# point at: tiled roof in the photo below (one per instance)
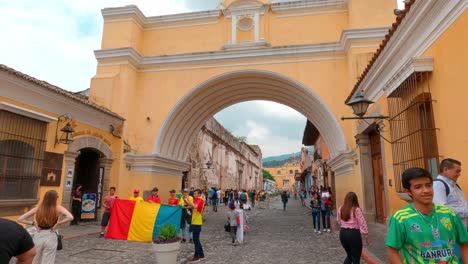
(58, 90)
(382, 46)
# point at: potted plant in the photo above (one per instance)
(166, 245)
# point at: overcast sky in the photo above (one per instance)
(54, 40)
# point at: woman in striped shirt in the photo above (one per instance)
(353, 224)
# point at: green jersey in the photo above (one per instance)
(424, 238)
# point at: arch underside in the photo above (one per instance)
(195, 108)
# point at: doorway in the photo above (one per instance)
(87, 172)
(377, 173)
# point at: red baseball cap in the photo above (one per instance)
(136, 191)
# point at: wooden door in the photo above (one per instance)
(377, 171)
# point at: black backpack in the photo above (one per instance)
(447, 188)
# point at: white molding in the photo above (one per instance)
(344, 163)
(34, 95)
(313, 13)
(246, 44)
(156, 164)
(308, 5)
(245, 8)
(422, 25)
(348, 39)
(411, 66)
(132, 11)
(26, 112)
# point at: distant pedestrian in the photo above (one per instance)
(154, 197)
(172, 201)
(325, 212)
(15, 241)
(284, 199)
(315, 206)
(424, 232)
(197, 221)
(107, 204)
(214, 199)
(252, 198)
(77, 195)
(46, 220)
(234, 221)
(353, 224)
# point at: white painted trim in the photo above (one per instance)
(26, 112)
(420, 28)
(234, 30)
(348, 38)
(313, 13)
(39, 97)
(344, 163)
(156, 164)
(307, 5)
(411, 66)
(135, 13)
(247, 44)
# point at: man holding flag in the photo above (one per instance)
(196, 225)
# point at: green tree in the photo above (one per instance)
(267, 175)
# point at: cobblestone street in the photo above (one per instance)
(273, 236)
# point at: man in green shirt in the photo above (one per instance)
(423, 232)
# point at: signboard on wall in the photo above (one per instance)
(52, 169)
(88, 206)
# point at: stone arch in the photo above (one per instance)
(90, 142)
(215, 94)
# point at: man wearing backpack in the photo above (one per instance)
(446, 190)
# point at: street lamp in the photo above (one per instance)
(359, 104)
(67, 130)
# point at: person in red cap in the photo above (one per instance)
(136, 196)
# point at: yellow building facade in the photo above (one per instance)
(168, 74)
(285, 175)
(417, 79)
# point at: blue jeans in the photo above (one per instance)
(185, 226)
(316, 219)
(326, 218)
(196, 229)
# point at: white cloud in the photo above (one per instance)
(278, 110)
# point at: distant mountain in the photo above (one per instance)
(278, 161)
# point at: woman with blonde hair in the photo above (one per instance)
(353, 224)
(46, 220)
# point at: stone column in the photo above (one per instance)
(70, 159)
(257, 26)
(367, 176)
(234, 30)
(105, 163)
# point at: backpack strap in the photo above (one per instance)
(447, 188)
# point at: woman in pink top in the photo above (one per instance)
(353, 224)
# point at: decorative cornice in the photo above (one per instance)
(348, 38)
(156, 164)
(411, 66)
(424, 23)
(26, 112)
(343, 163)
(132, 11)
(247, 44)
(245, 8)
(308, 5)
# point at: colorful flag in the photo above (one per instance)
(141, 221)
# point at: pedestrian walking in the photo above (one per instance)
(284, 199)
(234, 221)
(325, 206)
(46, 220)
(252, 198)
(107, 204)
(16, 242)
(197, 221)
(240, 224)
(315, 206)
(353, 224)
(77, 195)
(186, 218)
(214, 199)
(424, 232)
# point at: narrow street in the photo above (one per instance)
(274, 236)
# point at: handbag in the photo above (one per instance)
(59, 242)
(227, 226)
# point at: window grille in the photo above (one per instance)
(22, 146)
(413, 130)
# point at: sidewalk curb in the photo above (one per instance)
(82, 235)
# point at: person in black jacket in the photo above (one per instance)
(284, 199)
(15, 241)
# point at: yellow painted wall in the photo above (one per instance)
(284, 174)
(146, 182)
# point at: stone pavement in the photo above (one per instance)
(274, 236)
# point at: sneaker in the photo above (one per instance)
(194, 259)
(101, 235)
(201, 258)
(315, 230)
(190, 241)
(184, 240)
(328, 231)
(319, 232)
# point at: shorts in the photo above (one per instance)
(105, 218)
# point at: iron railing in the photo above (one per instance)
(413, 130)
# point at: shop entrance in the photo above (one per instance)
(87, 171)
